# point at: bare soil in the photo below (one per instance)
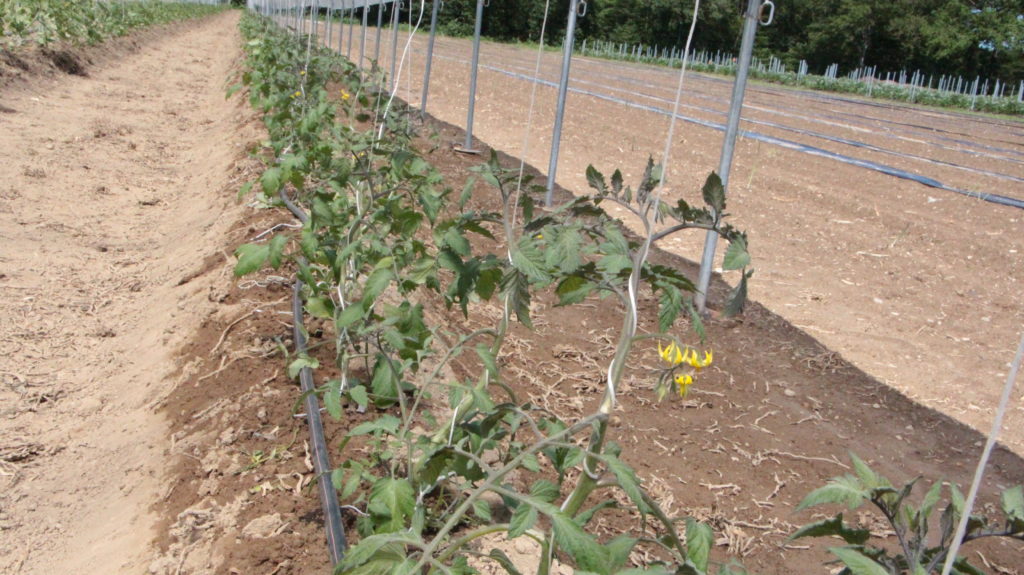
(144, 397)
(112, 208)
(917, 286)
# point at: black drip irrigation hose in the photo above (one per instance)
(321, 465)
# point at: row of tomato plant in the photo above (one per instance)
(385, 232)
(46, 21)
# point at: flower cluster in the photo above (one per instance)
(676, 356)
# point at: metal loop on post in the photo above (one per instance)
(581, 8)
(487, 3)
(771, 13)
(440, 7)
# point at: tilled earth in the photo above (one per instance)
(143, 390)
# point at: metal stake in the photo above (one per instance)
(380, 23)
(362, 39)
(752, 17)
(430, 56)
(330, 29)
(472, 76)
(394, 44)
(563, 87)
(351, 14)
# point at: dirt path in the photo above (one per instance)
(111, 199)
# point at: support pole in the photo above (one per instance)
(362, 39)
(472, 74)
(563, 87)
(380, 23)
(330, 28)
(351, 28)
(397, 5)
(430, 56)
(751, 21)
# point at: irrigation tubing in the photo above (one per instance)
(795, 146)
(789, 112)
(929, 132)
(321, 464)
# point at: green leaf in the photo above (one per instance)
(696, 320)
(384, 384)
(516, 286)
(332, 398)
(503, 560)
(359, 395)
(350, 315)
(585, 517)
(522, 519)
(320, 307)
(565, 252)
(573, 289)
(250, 258)
(714, 193)
(276, 249)
(270, 181)
(467, 192)
(618, 552)
(736, 256)
(1013, 505)
(858, 563)
(628, 482)
(530, 463)
(867, 476)
(544, 490)
(488, 359)
(699, 539)
(596, 180)
(833, 526)
(482, 509)
(387, 423)
(670, 303)
(738, 297)
(580, 545)
(528, 259)
(846, 490)
(454, 239)
(375, 285)
(301, 362)
(391, 500)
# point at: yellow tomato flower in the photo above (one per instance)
(694, 361)
(345, 95)
(684, 382)
(302, 72)
(672, 354)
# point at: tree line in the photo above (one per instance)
(958, 37)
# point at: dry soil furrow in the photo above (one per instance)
(112, 194)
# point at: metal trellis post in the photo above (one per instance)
(563, 87)
(472, 75)
(397, 5)
(351, 28)
(380, 23)
(751, 21)
(430, 55)
(362, 39)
